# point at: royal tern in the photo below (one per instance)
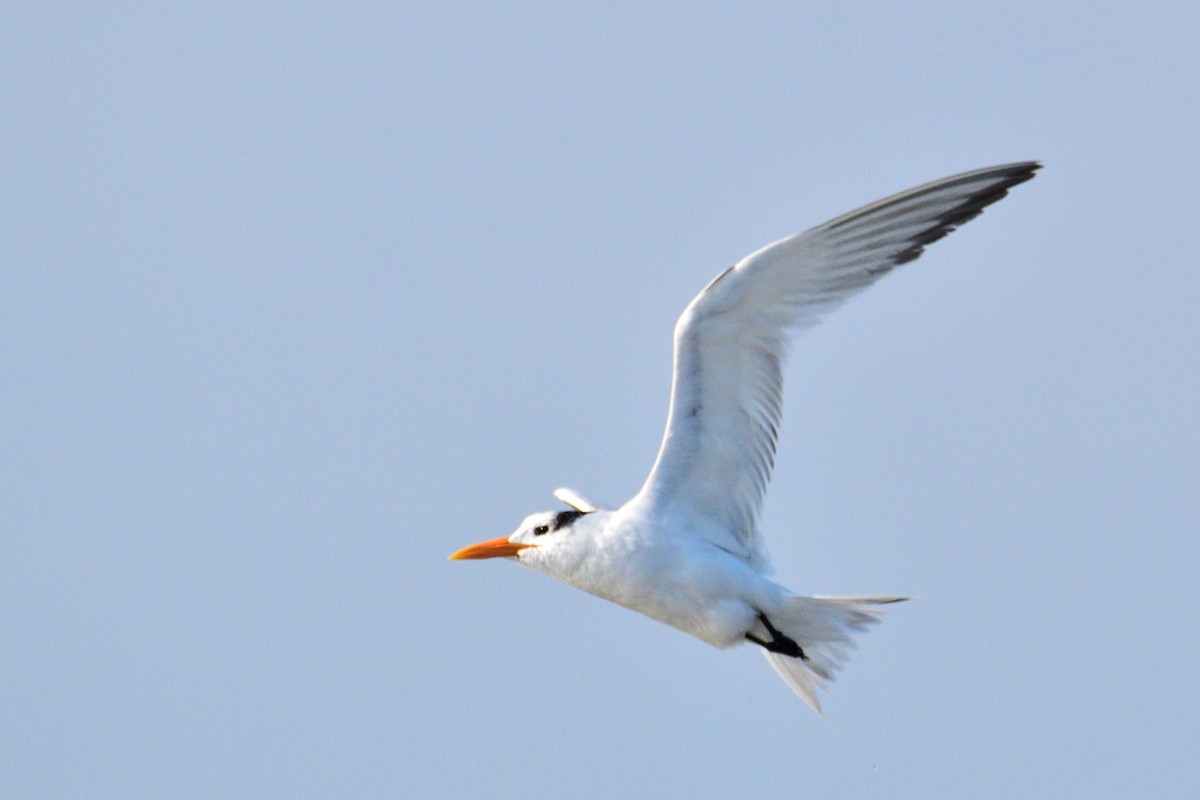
(686, 549)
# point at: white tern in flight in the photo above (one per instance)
(686, 549)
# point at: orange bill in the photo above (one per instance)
(492, 548)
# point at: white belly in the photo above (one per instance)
(682, 582)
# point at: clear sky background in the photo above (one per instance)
(296, 301)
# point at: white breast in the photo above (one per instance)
(668, 573)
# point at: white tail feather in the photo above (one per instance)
(823, 627)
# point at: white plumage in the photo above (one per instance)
(686, 549)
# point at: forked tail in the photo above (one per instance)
(823, 628)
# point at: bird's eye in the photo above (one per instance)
(541, 529)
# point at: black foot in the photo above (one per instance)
(779, 643)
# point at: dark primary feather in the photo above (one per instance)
(1010, 175)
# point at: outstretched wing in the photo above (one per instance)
(719, 447)
(576, 500)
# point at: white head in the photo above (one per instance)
(549, 541)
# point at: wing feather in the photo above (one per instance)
(730, 343)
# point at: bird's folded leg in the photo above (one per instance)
(779, 643)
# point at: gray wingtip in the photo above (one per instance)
(1008, 175)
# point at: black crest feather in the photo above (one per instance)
(565, 518)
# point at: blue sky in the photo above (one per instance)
(296, 301)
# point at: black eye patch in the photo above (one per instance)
(565, 518)
(560, 520)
